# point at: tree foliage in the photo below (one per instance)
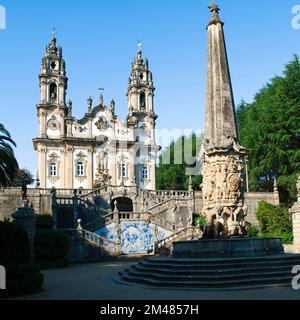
(22, 177)
(172, 173)
(274, 221)
(8, 162)
(270, 128)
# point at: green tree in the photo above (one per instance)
(270, 128)
(22, 177)
(8, 162)
(174, 162)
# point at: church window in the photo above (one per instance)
(144, 173)
(80, 169)
(142, 101)
(53, 169)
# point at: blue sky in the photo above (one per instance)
(99, 40)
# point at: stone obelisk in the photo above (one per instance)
(223, 196)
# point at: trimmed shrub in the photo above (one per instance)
(51, 248)
(44, 221)
(24, 279)
(14, 244)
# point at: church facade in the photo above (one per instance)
(98, 149)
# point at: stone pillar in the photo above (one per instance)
(276, 193)
(118, 239)
(26, 217)
(75, 209)
(54, 207)
(155, 239)
(295, 210)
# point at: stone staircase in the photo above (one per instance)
(212, 274)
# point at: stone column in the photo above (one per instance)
(118, 239)
(295, 210)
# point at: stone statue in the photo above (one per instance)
(24, 192)
(116, 210)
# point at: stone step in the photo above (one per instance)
(229, 273)
(222, 260)
(195, 277)
(170, 271)
(209, 284)
(227, 265)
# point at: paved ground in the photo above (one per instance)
(95, 282)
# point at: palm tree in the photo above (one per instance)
(8, 162)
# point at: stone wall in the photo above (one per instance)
(10, 201)
(252, 200)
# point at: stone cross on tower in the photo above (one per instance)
(223, 156)
(101, 89)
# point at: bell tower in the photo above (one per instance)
(53, 80)
(142, 119)
(52, 109)
(140, 90)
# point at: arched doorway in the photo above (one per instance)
(123, 204)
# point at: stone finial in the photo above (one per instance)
(214, 9)
(101, 89)
(70, 108)
(90, 104)
(113, 106)
(37, 180)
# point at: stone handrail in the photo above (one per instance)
(169, 240)
(103, 243)
(93, 193)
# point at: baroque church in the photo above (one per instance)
(98, 149)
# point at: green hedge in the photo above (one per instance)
(51, 248)
(14, 244)
(44, 221)
(24, 279)
(22, 276)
